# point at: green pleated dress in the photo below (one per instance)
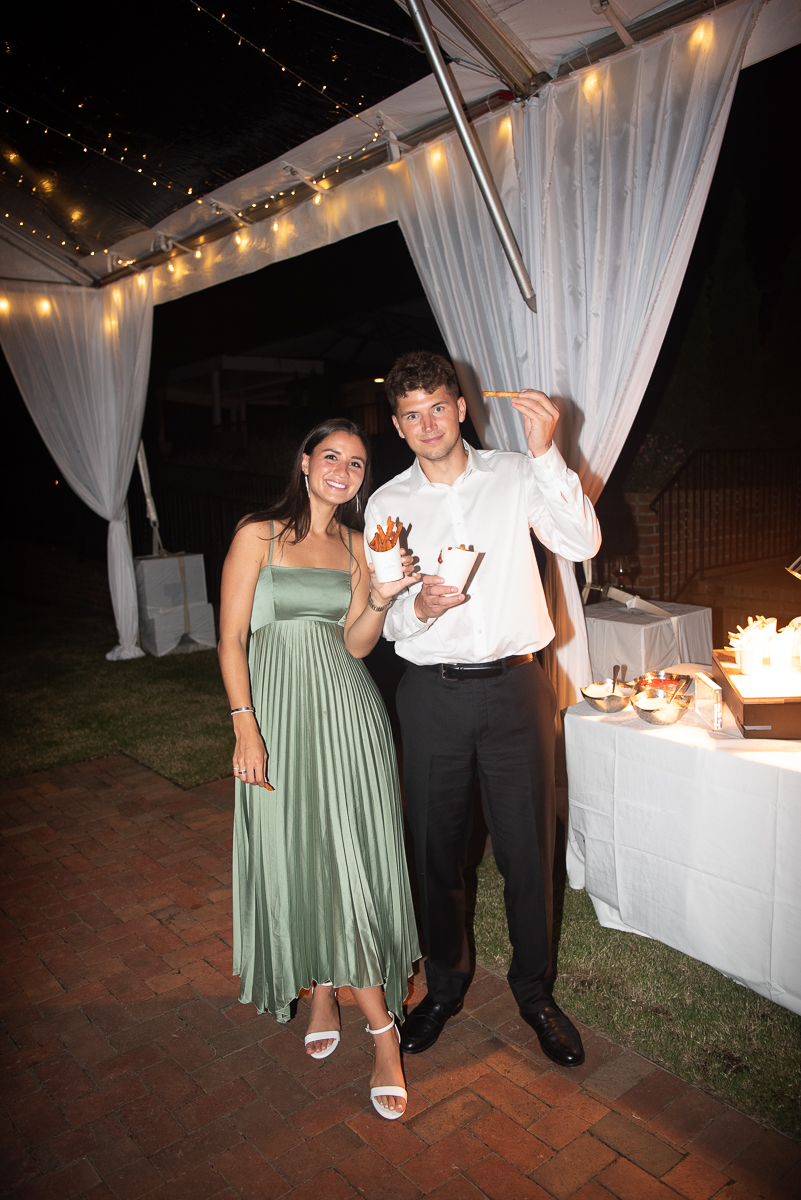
(321, 890)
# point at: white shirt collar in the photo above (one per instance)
(418, 478)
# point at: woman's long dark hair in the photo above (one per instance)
(293, 509)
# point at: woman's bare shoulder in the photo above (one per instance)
(253, 538)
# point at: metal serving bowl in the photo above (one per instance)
(671, 711)
(660, 679)
(613, 702)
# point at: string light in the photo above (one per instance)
(261, 50)
(84, 146)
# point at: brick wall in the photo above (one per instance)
(646, 583)
(629, 528)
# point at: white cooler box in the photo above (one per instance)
(174, 614)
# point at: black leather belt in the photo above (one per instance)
(499, 666)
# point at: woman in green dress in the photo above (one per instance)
(321, 891)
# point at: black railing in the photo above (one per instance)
(198, 509)
(724, 507)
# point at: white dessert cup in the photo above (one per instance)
(456, 566)
(388, 565)
(752, 657)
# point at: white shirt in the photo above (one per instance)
(489, 508)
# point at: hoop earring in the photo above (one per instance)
(306, 478)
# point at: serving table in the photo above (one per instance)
(691, 837)
(643, 641)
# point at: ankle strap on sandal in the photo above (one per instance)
(385, 1029)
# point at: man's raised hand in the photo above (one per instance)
(539, 419)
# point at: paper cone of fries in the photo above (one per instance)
(386, 552)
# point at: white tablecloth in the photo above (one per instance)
(644, 642)
(693, 838)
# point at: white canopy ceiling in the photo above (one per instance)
(552, 35)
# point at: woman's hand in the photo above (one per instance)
(250, 756)
(387, 591)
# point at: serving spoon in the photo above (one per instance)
(679, 689)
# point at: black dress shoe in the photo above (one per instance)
(425, 1023)
(558, 1036)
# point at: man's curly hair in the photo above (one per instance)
(419, 370)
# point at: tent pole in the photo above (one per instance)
(150, 504)
(474, 152)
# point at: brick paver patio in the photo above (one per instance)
(130, 1069)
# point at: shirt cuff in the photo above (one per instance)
(547, 465)
(403, 622)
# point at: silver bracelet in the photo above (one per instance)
(247, 708)
(375, 607)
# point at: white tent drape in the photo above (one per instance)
(604, 178)
(81, 359)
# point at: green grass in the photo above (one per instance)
(63, 702)
(675, 1010)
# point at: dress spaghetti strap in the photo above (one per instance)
(350, 550)
(272, 543)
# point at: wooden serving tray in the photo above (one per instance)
(758, 713)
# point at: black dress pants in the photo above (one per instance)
(501, 729)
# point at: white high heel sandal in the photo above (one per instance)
(389, 1089)
(333, 1034)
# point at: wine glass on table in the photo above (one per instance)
(621, 570)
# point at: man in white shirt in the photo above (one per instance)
(474, 700)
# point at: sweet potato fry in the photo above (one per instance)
(385, 539)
